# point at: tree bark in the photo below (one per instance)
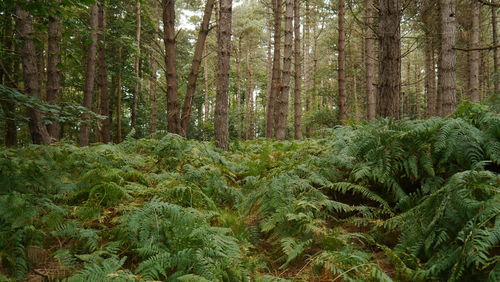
(238, 124)
(496, 52)
(276, 74)
(389, 71)
(297, 120)
(448, 58)
(474, 56)
(250, 125)
(102, 80)
(9, 108)
(119, 100)
(153, 92)
(53, 73)
(170, 64)
(430, 77)
(207, 92)
(370, 55)
(195, 67)
(137, 88)
(83, 137)
(342, 98)
(224, 52)
(284, 94)
(38, 130)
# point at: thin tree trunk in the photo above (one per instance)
(269, 66)
(119, 101)
(53, 73)
(389, 86)
(224, 52)
(9, 108)
(342, 98)
(430, 77)
(83, 137)
(474, 56)
(250, 126)
(170, 63)
(207, 96)
(284, 94)
(195, 67)
(448, 57)
(307, 63)
(38, 131)
(102, 80)
(276, 74)
(137, 88)
(496, 51)
(238, 90)
(370, 54)
(297, 120)
(153, 92)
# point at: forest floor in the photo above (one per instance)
(382, 201)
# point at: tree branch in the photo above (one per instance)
(492, 3)
(477, 49)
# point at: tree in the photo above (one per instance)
(447, 65)
(8, 63)
(276, 73)
(428, 26)
(137, 65)
(342, 98)
(282, 101)
(53, 72)
(170, 65)
(83, 137)
(223, 56)
(496, 51)
(195, 67)
(297, 120)
(474, 55)
(102, 79)
(38, 131)
(389, 71)
(370, 59)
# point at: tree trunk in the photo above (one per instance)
(307, 63)
(195, 67)
(276, 74)
(170, 64)
(496, 51)
(430, 76)
(119, 101)
(102, 80)
(342, 98)
(224, 52)
(297, 102)
(447, 57)
(389, 71)
(38, 131)
(370, 55)
(9, 108)
(284, 94)
(53, 73)
(237, 58)
(83, 137)
(153, 92)
(474, 56)
(207, 96)
(137, 88)
(250, 125)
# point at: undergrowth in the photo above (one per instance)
(381, 201)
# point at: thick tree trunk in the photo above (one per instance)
(53, 73)
(496, 51)
(38, 131)
(137, 88)
(195, 67)
(297, 101)
(276, 72)
(170, 64)
(389, 71)
(83, 137)
(370, 55)
(447, 78)
(474, 56)
(102, 79)
(224, 52)
(342, 98)
(284, 94)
